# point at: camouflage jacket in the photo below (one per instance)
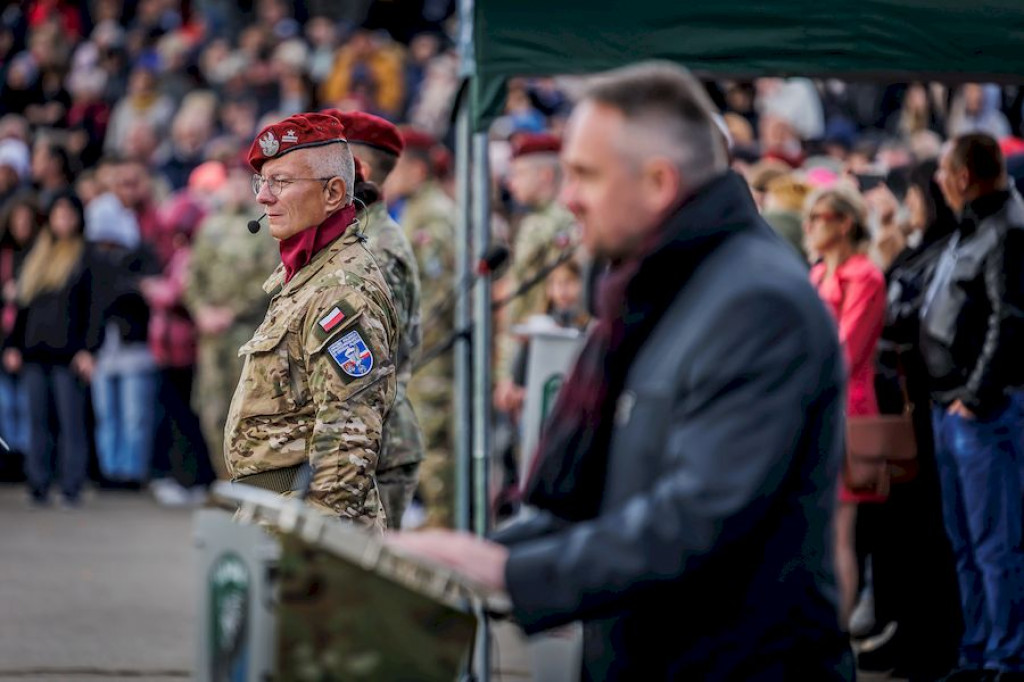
(394, 255)
(319, 379)
(429, 222)
(541, 238)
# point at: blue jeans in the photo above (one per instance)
(125, 406)
(979, 471)
(55, 385)
(14, 415)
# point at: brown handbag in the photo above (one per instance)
(881, 449)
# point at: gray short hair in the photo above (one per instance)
(668, 113)
(335, 160)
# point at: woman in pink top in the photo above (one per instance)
(853, 288)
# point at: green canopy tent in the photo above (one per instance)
(890, 40)
(893, 40)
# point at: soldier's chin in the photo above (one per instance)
(278, 231)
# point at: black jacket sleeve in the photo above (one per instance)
(81, 334)
(16, 339)
(995, 369)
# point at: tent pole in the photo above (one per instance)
(463, 421)
(481, 241)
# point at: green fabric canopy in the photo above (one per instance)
(890, 40)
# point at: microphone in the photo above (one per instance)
(487, 266)
(537, 278)
(254, 225)
(493, 260)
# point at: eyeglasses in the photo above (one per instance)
(822, 216)
(275, 185)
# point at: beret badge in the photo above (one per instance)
(269, 144)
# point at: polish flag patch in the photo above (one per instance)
(332, 319)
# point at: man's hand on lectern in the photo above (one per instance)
(478, 559)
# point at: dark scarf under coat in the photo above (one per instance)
(571, 460)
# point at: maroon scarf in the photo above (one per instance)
(299, 249)
(570, 464)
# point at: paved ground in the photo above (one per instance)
(108, 592)
(105, 592)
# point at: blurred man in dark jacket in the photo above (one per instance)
(972, 327)
(688, 469)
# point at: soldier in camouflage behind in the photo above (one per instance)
(544, 234)
(377, 145)
(427, 215)
(319, 376)
(224, 293)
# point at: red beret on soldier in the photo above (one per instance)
(414, 138)
(301, 131)
(525, 144)
(373, 131)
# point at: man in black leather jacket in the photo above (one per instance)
(972, 327)
(686, 478)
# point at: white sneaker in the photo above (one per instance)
(414, 517)
(169, 493)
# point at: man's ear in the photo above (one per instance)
(367, 169)
(963, 179)
(336, 190)
(662, 184)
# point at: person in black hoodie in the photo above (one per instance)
(51, 346)
(912, 561)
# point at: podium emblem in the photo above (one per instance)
(229, 618)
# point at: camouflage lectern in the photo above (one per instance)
(349, 608)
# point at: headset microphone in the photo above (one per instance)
(254, 225)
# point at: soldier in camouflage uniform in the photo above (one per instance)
(224, 293)
(427, 215)
(319, 376)
(543, 235)
(377, 145)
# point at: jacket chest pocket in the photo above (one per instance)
(966, 273)
(968, 269)
(963, 282)
(642, 420)
(272, 380)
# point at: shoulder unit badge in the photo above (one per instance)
(352, 355)
(269, 144)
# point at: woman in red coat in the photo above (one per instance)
(853, 288)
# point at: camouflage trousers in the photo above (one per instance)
(431, 397)
(217, 372)
(397, 486)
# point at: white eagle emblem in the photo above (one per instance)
(269, 144)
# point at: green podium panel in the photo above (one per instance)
(339, 621)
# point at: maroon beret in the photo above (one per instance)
(525, 144)
(373, 131)
(441, 161)
(414, 138)
(301, 131)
